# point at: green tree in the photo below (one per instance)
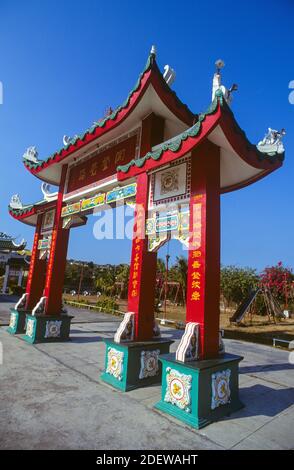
(236, 283)
(179, 273)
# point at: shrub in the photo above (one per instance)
(107, 303)
(17, 290)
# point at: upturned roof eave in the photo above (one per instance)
(150, 75)
(218, 113)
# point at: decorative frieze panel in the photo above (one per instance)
(149, 364)
(220, 384)
(71, 209)
(116, 194)
(115, 363)
(13, 321)
(92, 202)
(53, 329)
(178, 389)
(165, 225)
(172, 184)
(31, 327)
(124, 192)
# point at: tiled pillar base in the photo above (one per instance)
(17, 321)
(47, 328)
(200, 392)
(134, 364)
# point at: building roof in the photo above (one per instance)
(28, 213)
(151, 93)
(7, 243)
(242, 162)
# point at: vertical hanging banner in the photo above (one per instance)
(33, 258)
(196, 255)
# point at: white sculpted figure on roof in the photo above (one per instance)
(272, 141)
(15, 202)
(31, 154)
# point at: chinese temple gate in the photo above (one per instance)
(174, 165)
(15, 260)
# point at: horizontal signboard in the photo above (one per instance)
(102, 165)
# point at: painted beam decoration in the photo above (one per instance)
(92, 202)
(165, 225)
(121, 193)
(71, 209)
(116, 194)
(167, 222)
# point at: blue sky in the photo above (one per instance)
(62, 63)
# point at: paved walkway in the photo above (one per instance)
(52, 398)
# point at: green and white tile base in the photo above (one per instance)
(17, 321)
(200, 392)
(45, 328)
(134, 364)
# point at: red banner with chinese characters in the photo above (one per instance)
(196, 255)
(102, 165)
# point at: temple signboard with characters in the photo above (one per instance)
(173, 166)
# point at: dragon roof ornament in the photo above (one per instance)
(272, 141)
(31, 155)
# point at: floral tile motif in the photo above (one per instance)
(221, 393)
(53, 328)
(115, 363)
(30, 327)
(149, 364)
(13, 321)
(178, 388)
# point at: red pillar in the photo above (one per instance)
(203, 286)
(57, 258)
(142, 281)
(141, 293)
(152, 133)
(37, 270)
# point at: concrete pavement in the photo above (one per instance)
(52, 398)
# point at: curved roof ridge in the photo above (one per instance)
(151, 63)
(175, 143)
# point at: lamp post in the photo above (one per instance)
(80, 282)
(167, 257)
